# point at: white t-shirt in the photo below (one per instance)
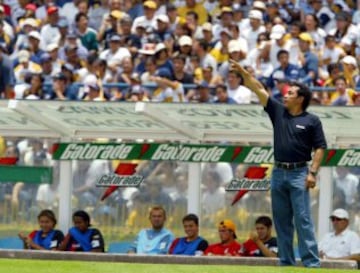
(242, 94)
(344, 244)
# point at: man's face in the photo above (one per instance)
(191, 229)
(225, 235)
(339, 224)
(284, 59)
(157, 219)
(263, 231)
(292, 99)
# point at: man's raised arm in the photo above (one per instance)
(250, 82)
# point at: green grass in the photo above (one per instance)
(42, 266)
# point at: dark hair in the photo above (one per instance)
(315, 19)
(340, 78)
(280, 52)
(82, 214)
(49, 214)
(264, 220)
(80, 15)
(180, 56)
(194, 14)
(304, 92)
(204, 44)
(221, 86)
(332, 67)
(191, 217)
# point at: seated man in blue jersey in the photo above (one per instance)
(154, 240)
(192, 244)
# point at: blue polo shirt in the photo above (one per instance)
(294, 136)
(311, 64)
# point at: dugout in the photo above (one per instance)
(243, 131)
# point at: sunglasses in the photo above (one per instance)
(336, 219)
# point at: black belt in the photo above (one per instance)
(290, 165)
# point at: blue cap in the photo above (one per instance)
(164, 73)
(45, 57)
(71, 34)
(59, 76)
(202, 84)
(63, 22)
(115, 38)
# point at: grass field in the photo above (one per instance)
(42, 266)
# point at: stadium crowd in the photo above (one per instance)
(177, 51)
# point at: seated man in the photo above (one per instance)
(342, 243)
(154, 240)
(261, 243)
(228, 245)
(192, 244)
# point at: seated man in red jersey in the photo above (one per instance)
(261, 243)
(228, 245)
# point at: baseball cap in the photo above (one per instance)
(159, 47)
(147, 49)
(150, 4)
(226, 31)
(59, 76)
(277, 32)
(63, 22)
(185, 40)
(340, 213)
(202, 84)
(234, 46)
(342, 16)
(226, 10)
(115, 38)
(68, 67)
(259, 5)
(51, 47)
(35, 34)
(163, 18)
(116, 14)
(71, 34)
(279, 75)
(45, 57)
(228, 224)
(52, 9)
(207, 26)
(255, 14)
(349, 60)
(163, 73)
(31, 7)
(29, 22)
(23, 56)
(306, 37)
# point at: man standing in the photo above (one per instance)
(296, 134)
(261, 243)
(155, 240)
(342, 243)
(192, 244)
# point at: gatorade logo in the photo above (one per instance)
(258, 155)
(350, 158)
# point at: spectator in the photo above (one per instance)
(342, 95)
(261, 242)
(256, 27)
(35, 91)
(149, 18)
(347, 183)
(236, 91)
(228, 246)
(342, 243)
(81, 237)
(87, 35)
(61, 91)
(202, 94)
(308, 60)
(198, 8)
(222, 95)
(7, 77)
(192, 244)
(167, 90)
(155, 240)
(47, 238)
(50, 33)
